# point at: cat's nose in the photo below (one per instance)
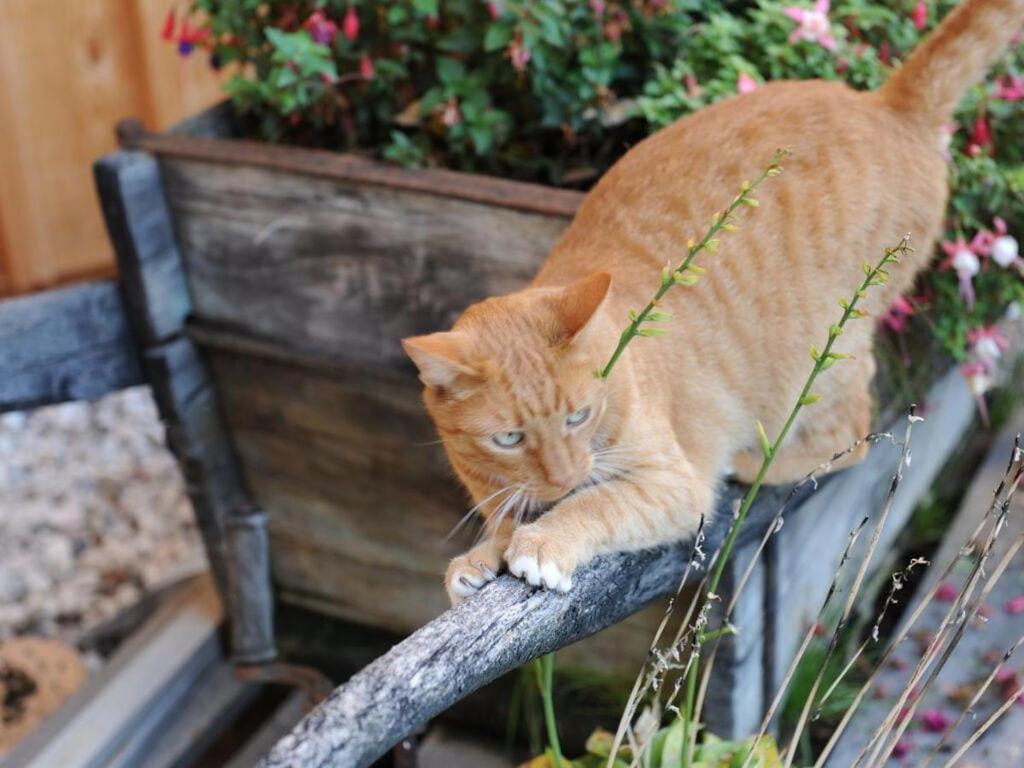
(560, 477)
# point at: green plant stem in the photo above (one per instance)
(545, 669)
(686, 273)
(822, 361)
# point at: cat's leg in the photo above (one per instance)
(472, 570)
(833, 424)
(650, 506)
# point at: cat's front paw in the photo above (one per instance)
(541, 559)
(469, 573)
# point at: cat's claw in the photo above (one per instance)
(466, 576)
(547, 575)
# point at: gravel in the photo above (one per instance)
(93, 513)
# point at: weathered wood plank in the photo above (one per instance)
(139, 226)
(204, 140)
(130, 701)
(805, 555)
(65, 344)
(342, 270)
(499, 629)
(198, 437)
(209, 708)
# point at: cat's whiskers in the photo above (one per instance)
(468, 516)
(498, 516)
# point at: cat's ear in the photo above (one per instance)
(439, 357)
(579, 302)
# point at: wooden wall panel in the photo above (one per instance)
(69, 70)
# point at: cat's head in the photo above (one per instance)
(513, 391)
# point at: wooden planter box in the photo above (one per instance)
(304, 270)
(299, 273)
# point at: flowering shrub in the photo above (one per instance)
(555, 90)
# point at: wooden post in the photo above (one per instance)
(153, 284)
(736, 689)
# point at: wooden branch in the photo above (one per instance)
(504, 626)
(65, 344)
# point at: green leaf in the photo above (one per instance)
(426, 7)
(498, 36)
(449, 70)
(651, 332)
(672, 748)
(658, 316)
(809, 399)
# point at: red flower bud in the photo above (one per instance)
(920, 15)
(981, 137)
(167, 31)
(350, 27)
(494, 11)
(366, 69)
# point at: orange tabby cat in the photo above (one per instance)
(634, 461)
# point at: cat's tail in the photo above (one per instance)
(952, 58)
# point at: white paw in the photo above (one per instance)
(547, 574)
(466, 577)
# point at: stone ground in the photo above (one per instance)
(93, 514)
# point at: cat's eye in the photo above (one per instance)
(507, 439)
(578, 417)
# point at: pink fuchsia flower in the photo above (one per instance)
(812, 24)
(966, 263)
(518, 53)
(745, 83)
(1015, 605)
(979, 380)
(934, 720)
(167, 30)
(1009, 88)
(350, 25)
(895, 319)
(981, 138)
(366, 68)
(1003, 247)
(597, 6)
(321, 28)
(884, 54)
(920, 15)
(188, 36)
(452, 115)
(494, 11)
(946, 592)
(988, 343)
